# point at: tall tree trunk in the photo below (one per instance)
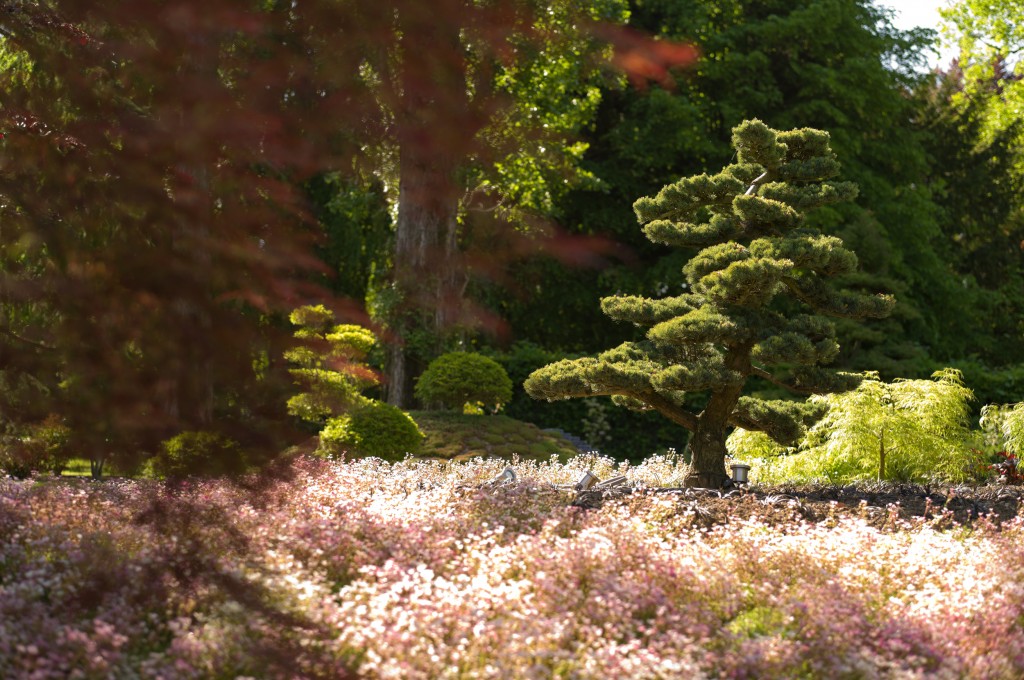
(426, 265)
(188, 392)
(426, 269)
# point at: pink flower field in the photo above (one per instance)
(422, 570)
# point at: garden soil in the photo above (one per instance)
(882, 505)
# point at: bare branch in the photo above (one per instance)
(11, 334)
(756, 183)
(670, 410)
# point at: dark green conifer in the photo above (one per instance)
(758, 294)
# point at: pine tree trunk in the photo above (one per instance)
(707, 463)
(707, 445)
(396, 384)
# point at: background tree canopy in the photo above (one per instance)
(174, 180)
(164, 169)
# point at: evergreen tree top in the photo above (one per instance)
(758, 294)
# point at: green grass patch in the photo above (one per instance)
(80, 467)
(457, 436)
(77, 467)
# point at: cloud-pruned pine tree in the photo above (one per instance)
(760, 290)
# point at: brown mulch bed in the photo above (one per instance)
(884, 505)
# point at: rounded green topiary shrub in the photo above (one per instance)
(458, 378)
(198, 454)
(373, 429)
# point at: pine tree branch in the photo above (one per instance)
(762, 373)
(756, 183)
(747, 423)
(670, 410)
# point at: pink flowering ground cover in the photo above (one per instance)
(420, 570)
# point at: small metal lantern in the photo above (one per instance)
(588, 480)
(614, 481)
(507, 475)
(739, 472)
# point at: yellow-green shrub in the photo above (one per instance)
(330, 366)
(372, 429)
(906, 430)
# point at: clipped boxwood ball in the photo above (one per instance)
(375, 428)
(458, 378)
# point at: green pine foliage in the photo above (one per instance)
(977, 182)
(456, 379)
(330, 366)
(619, 433)
(837, 65)
(755, 301)
(906, 430)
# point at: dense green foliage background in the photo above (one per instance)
(938, 221)
(551, 119)
(827, 65)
